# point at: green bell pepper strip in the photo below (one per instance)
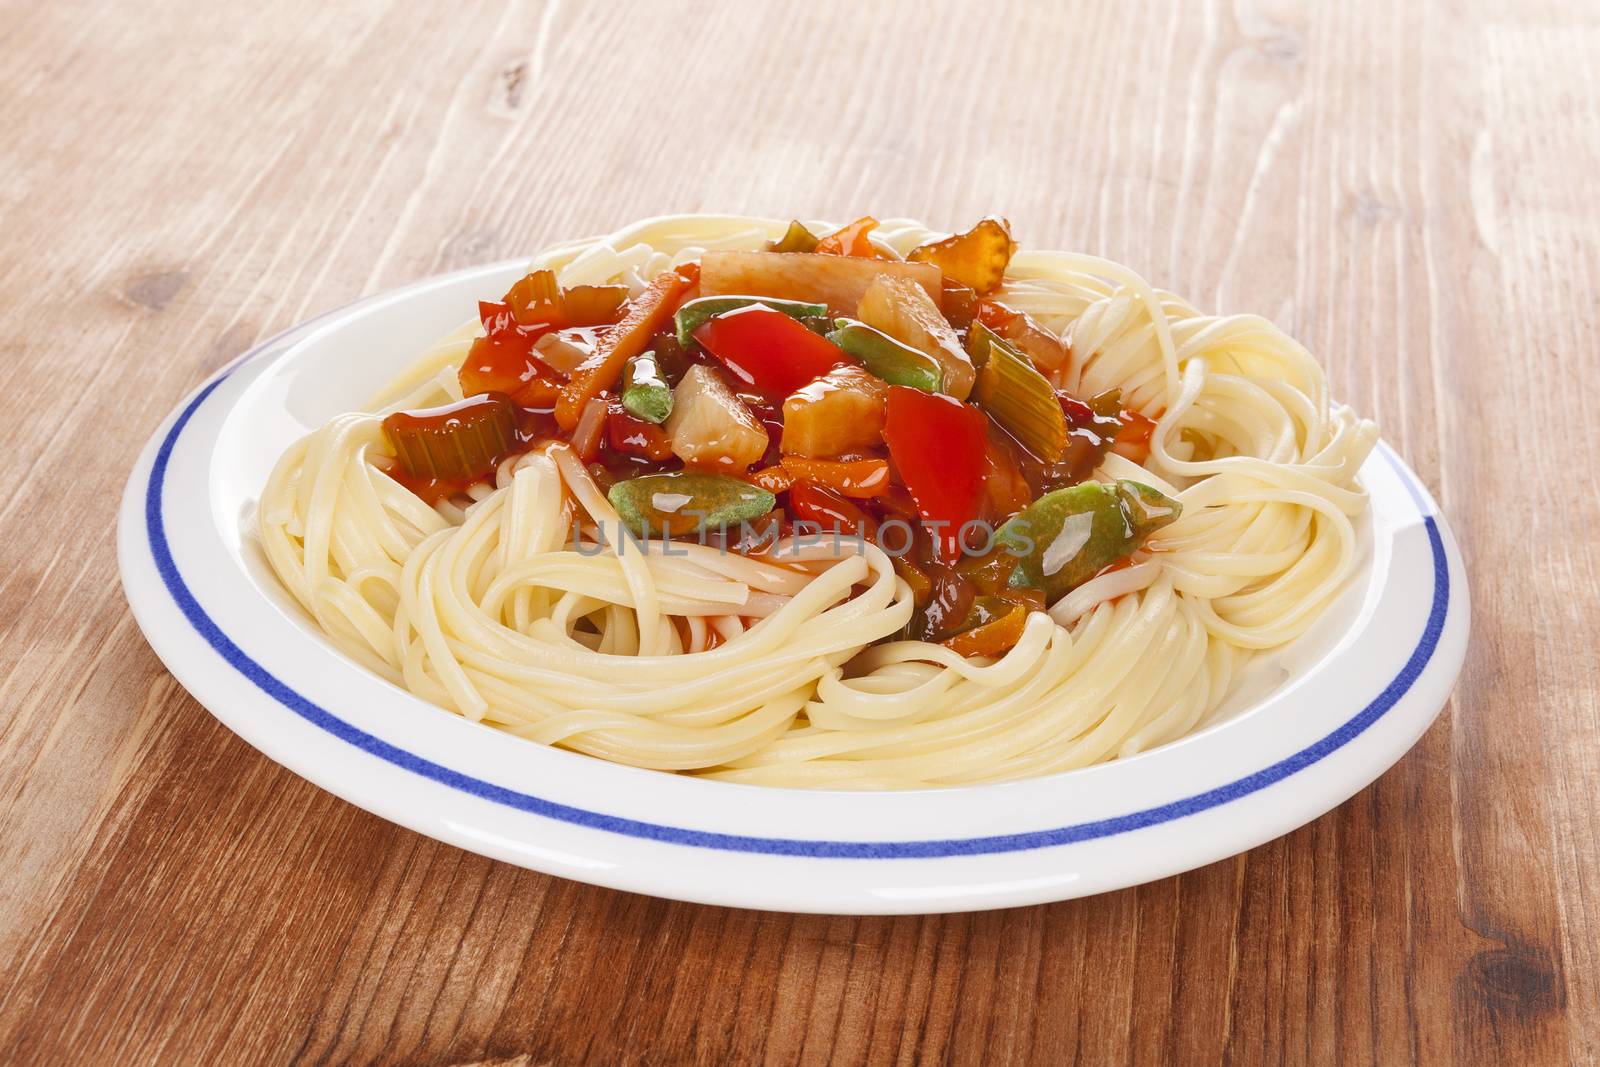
(685, 502)
(894, 361)
(645, 392)
(1070, 535)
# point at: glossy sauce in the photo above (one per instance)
(530, 360)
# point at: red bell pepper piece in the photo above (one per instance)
(768, 351)
(502, 361)
(832, 512)
(635, 437)
(938, 445)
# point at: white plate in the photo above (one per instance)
(1325, 716)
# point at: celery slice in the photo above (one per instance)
(1020, 398)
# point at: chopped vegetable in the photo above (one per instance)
(648, 314)
(634, 436)
(566, 350)
(684, 502)
(837, 281)
(861, 478)
(1078, 413)
(921, 585)
(1107, 405)
(1047, 351)
(1068, 536)
(503, 361)
(1133, 438)
(980, 339)
(905, 312)
(976, 259)
(795, 239)
(1091, 428)
(959, 304)
(767, 350)
(1148, 509)
(672, 358)
(894, 361)
(645, 392)
(992, 626)
(946, 607)
(463, 441)
(537, 300)
(536, 292)
(591, 427)
(937, 444)
(710, 427)
(843, 411)
(990, 572)
(774, 479)
(829, 510)
(592, 305)
(851, 240)
(995, 315)
(691, 315)
(603, 476)
(1022, 400)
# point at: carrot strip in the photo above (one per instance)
(647, 316)
(856, 478)
(774, 479)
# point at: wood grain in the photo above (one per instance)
(1408, 187)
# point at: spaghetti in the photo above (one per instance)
(520, 600)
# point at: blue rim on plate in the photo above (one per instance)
(323, 719)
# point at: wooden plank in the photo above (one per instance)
(1404, 186)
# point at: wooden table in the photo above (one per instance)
(1408, 187)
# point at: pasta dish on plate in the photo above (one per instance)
(853, 507)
